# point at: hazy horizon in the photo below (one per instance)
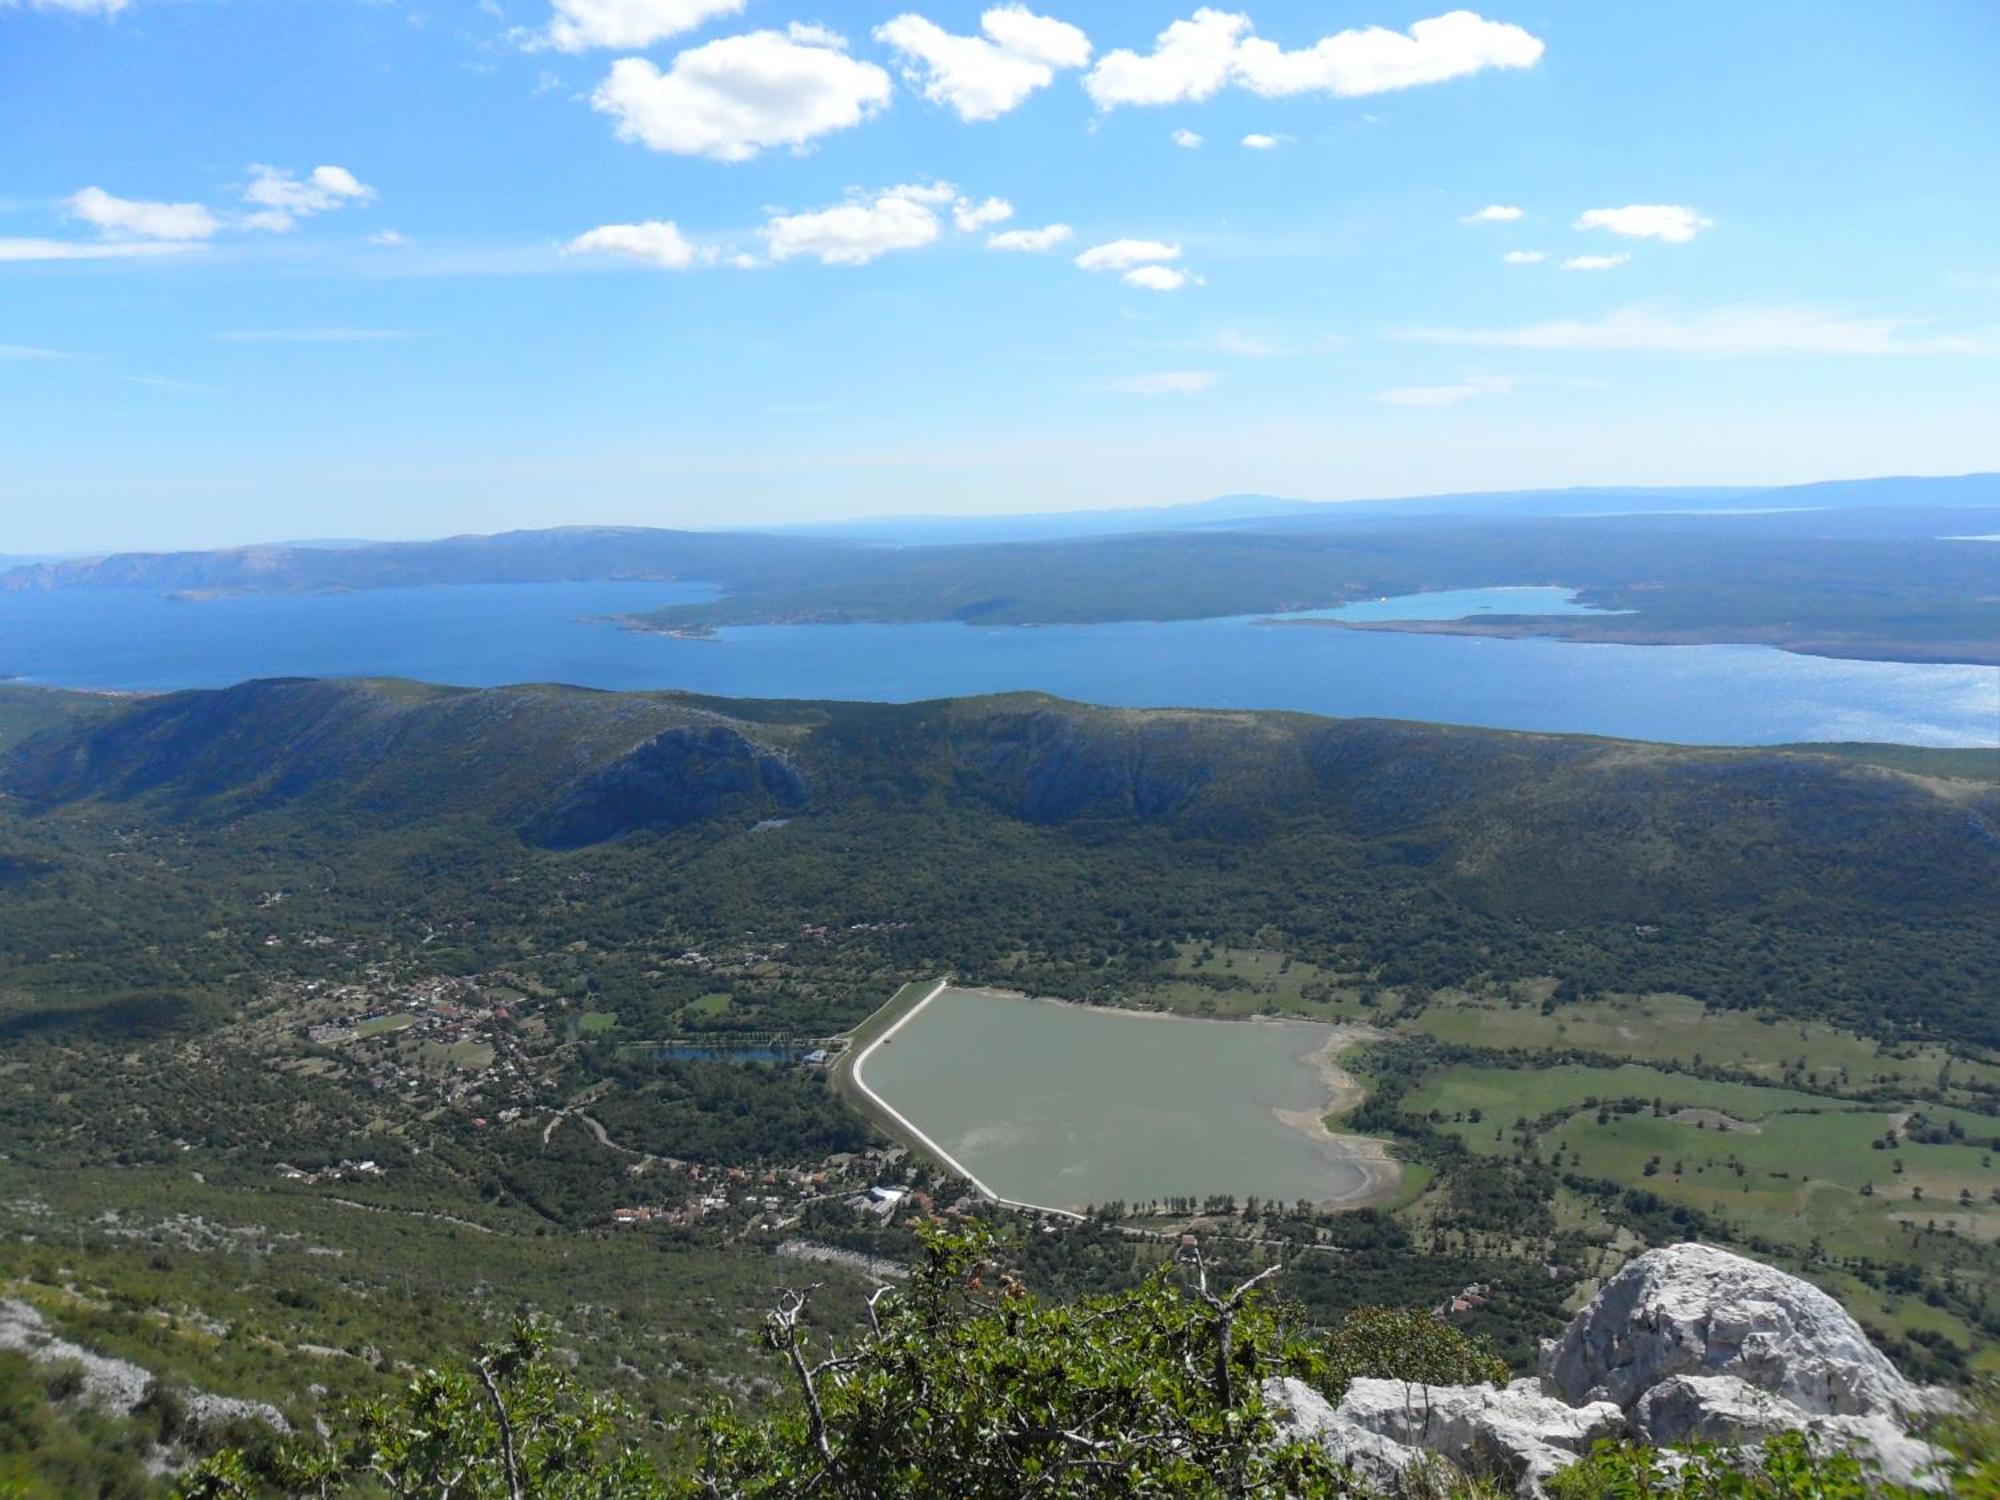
(12, 555)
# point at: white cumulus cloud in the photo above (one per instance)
(1166, 383)
(1258, 141)
(281, 199)
(1493, 213)
(1375, 60)
(1160, 278)
(1723, 333)
(657, 242)
(140, 219)
(971, 217)
(857, 231)
(1194, 58)
(579, 25)
(1670, 222)
(1191, 59)
(1031, 241)
(1187, 140)
(983, 77)
(1449, 395)
(735, 97)
(1120, 255)
(1525, 257)
(1595, 262)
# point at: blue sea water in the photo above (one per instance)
(486, 635)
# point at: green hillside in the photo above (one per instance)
(253, 939)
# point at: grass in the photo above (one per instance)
(1235, 983)
(1504, 1094)
(597, 1021)
(1807, 1174)
(707, 1007)
(1676, 1029)
(218, 1284)
(383, 1025)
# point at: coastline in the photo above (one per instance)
(1588, 632)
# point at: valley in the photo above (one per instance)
(375, 982)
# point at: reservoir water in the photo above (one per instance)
(484, 635)
(1062, 1106)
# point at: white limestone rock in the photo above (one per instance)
(1302, 1413)
(1521, 1436)
(1382, 1428)
(1724, 1410)
(117, 1385)
(1697, 1310)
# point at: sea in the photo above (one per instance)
(485, 635)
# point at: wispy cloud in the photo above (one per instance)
(1449, 395)
(311, 335)
(1493, 213)
(16, 250)
(1723, 333)
(164, 383)
(29, 351)
(1165, 383)
(1595, 262)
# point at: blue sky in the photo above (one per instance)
(291, 268)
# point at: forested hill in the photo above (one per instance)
(1885, 569)
(1812, 881)
(1820, 586)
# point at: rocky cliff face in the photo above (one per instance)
(1686, 1344)
(672, 780)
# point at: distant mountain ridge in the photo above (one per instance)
(1864, 569)
(557, 554)
(735, 558)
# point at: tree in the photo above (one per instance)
(513, 1426)
(966, 1385)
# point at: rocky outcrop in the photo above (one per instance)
(117, 1386)
(1697, 1310)
(1514, 1432)
(1725, 1409)
(676, 778)
(1688, 1344)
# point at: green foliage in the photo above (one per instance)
(737, 1114)
(1384, 1343)
(515, 1424)
(1786, 1468)
(52, 1445)
(968, 1386)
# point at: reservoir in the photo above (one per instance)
(1063, 1106)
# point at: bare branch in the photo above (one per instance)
(507, 1453)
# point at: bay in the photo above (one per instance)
(485, 635)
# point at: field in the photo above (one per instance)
(1869, 1163)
